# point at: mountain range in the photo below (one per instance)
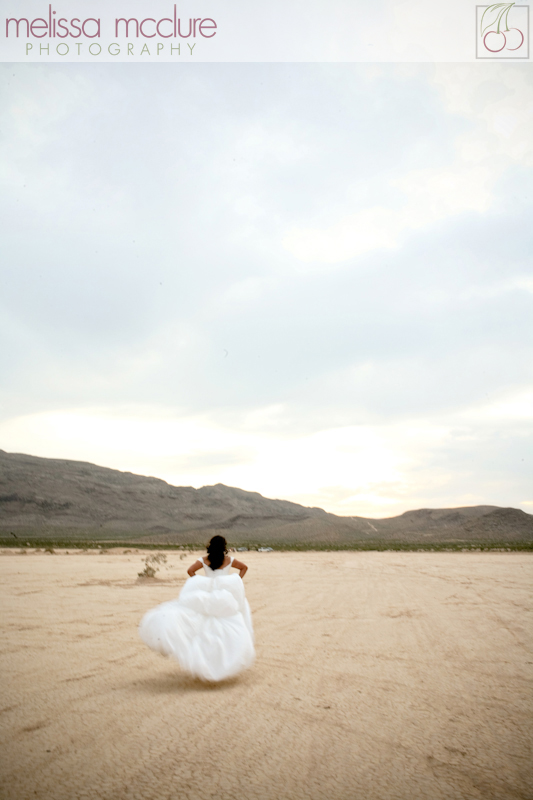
(45, 498)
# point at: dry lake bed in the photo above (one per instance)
(379, 676)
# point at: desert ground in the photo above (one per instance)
(380, 676)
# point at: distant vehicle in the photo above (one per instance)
(265, 549)
(242, 549)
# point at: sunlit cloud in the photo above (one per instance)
(366, 470)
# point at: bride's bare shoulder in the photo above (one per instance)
(227, 560)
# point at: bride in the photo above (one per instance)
(208, 628)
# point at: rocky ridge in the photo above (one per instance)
(41, 497)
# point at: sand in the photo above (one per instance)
(378, 676)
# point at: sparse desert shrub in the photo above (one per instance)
(150, 569)
(147, 572)
(49, 549)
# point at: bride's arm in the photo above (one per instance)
(194, 568)
(240, 566)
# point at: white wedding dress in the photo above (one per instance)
(207, 629)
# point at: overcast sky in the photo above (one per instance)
(308, 280)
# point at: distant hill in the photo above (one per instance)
(47, 498)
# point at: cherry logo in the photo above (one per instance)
(495, 30)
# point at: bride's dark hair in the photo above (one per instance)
(216, 550)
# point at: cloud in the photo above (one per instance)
(498, 102)
(476, 455)
(497, 99)
(213, 272)
(429, 196)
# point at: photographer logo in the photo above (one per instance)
(502, 31)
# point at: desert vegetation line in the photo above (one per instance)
(50, 545)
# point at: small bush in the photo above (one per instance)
(150, 569)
